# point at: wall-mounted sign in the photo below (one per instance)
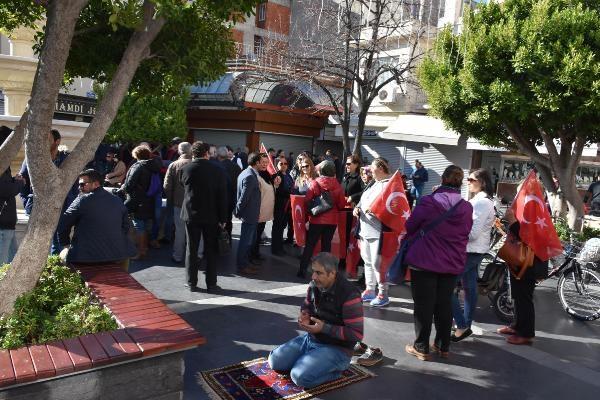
(75, 105)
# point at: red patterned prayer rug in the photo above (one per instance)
(254, 380)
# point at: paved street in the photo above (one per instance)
(252, 316)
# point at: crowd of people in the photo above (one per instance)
(204, 186)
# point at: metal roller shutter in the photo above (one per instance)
(287, 143)
(392, 150)
(234, 139)
(435, 157)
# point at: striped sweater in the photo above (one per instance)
(343, 327)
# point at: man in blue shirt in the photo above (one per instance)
(419, 177)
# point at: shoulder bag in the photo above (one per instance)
(517, 255)
(321, 203)
(397, 269)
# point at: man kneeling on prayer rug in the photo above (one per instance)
(332, 316)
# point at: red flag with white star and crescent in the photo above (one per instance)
(353, 253)
(536, 227)
(391, 207)
(299, 218)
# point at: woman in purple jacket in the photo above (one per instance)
(435, 259)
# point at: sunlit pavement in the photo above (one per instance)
(252, 315)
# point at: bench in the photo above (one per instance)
(147, 328)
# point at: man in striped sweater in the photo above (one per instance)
(332, 316)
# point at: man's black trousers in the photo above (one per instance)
(194, 232)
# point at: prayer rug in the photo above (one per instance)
(255, 380)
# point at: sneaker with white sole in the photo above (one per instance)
(368, 296)
(360, 348)
(380, 301)
(371, 357)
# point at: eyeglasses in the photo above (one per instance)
(471, 180)
(348, 163)
(283, 163)
(305, 166)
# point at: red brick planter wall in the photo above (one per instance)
(147, 328)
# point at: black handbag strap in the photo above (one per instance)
(430, 226)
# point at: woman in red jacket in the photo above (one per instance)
(322, 226)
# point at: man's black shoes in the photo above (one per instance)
(193, 288)
(214, 289)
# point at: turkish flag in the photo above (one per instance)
(391, 207)
(536, 227)
(270, 168)
(390, 244)
(299, 218)
(353, 252)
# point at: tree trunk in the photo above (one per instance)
(50, 183)
(574, 201)
(362, 119)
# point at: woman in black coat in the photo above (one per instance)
(139, 205)
(522, 329)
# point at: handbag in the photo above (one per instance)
(517, 255)
(397, 269)
(321, 203)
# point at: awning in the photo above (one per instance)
(421, 129)
(473, 144)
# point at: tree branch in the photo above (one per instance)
(526, 147)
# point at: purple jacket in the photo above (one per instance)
(443, 249)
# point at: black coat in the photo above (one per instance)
(9, 188)
(353, 186)
(232, 171)
(137, 182)
(101, 229)
(205, 199)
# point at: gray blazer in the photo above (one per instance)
(247, 207)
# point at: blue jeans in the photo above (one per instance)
(8, 245)
(464, 317)
(310, 363)
(417, 192)
(247, 238)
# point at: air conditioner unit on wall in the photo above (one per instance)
(391, 94)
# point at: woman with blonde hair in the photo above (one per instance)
(308, 173)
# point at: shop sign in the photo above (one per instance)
(70, 106)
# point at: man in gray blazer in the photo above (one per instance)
(247, 208)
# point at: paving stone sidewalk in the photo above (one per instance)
(253, 315)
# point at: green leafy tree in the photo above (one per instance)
(523, 73)
(154, 118)
(153, 46)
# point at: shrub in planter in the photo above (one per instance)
(59, 307)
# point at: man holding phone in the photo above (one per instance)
(332, 316)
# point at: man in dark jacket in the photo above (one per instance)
(232, 171)
(332, 316)
(9, 188)
(100, 223)
(204, 210)
(247, 208)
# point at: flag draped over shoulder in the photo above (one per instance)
(536, 228)
(391, 207)
(270, 168)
